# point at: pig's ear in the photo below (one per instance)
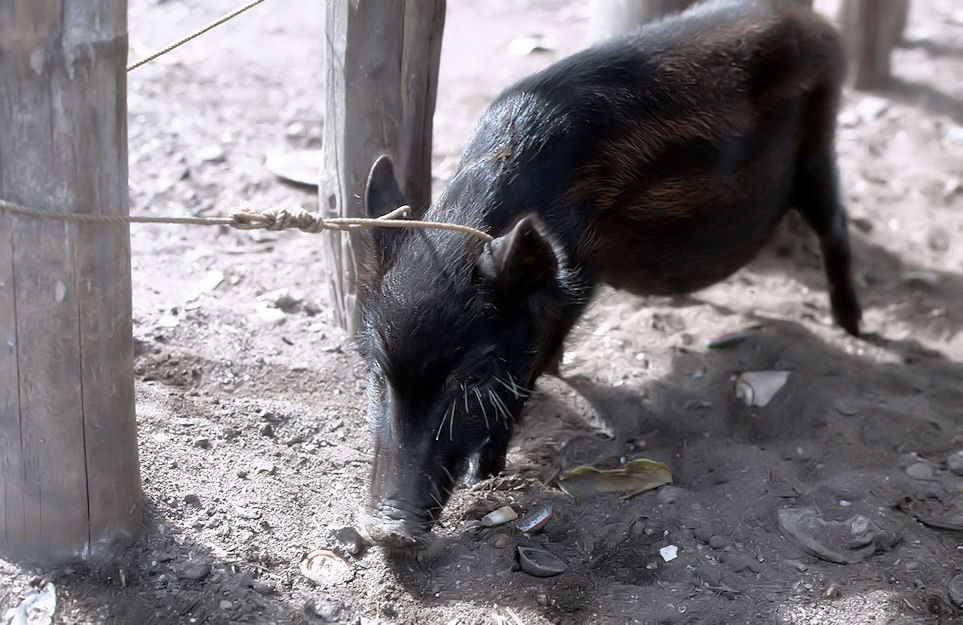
(520, 261)
(382, 194)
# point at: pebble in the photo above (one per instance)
(670, 494)
(346, 541)
(954, 462)
(497, 517)
(194, 570)
(498, 541)
(718, 542)
(191, 499)
(920, 471)
(203, 443)
(262, 587)
(956, 590)
(213, 153)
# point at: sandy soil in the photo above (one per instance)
(251, 408)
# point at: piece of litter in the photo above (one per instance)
(669, 552)
(536, 520)
(757, 388)
(635, 477)
(37, 608)
(297, 166)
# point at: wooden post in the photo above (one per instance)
(872, 28)
(69, 476)
(611, 18)
(381, 77)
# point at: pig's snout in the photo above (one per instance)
(397, 525)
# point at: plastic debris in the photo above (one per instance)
(535, 520)
(757, 388)
(637, 476)
(538, 562)
(37, 608)
(500, 516)
(669, 552)
(842, 542)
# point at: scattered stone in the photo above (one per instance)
(225, 605)
(718, 542)
(346, 541)
(229, 433)
(202, 443)
(387, 609)
(192, 499)
(194, 570)
(956, 590)
(500, 516)
(246, 513)
(266, 430)
(498, 541)
(671, 495)
(263, 587)
(213, 153)
(538, 562)
(323, 610)
(954, 462)
(273, 316)
(920, 471)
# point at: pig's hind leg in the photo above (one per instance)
(816, 195)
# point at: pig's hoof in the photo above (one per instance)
(386, 530)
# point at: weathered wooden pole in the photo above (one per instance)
(381, 77)
(872, 29)
(611, 18)
(69, 477)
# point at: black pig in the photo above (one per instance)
(658, 163)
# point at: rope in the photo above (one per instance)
(196, 33)
(248, 219)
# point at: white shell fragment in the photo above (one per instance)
(669, 552)
(497, 517)
(757, 388)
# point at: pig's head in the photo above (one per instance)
(455, 332)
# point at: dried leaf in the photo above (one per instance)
(637, 476)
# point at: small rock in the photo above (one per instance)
(718, 542)
(956, 590)
(273, 316)
(671, 494)
(498, 541)
(871, 107)
(497, 517)
(954, 462)
(191, 499)
(203, 443)
(325, 610)
(194, 570)
(246, 513)
(266, 430)
(213, 153)
(346, 541)
(225, 604)
(920, 471)
(263, 587)
(387, 609)
(229, 433)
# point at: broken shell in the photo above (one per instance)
(497, 517)
(757, 388)
(324, 567)
(726, 340)
(669, 552)
(536, 520)
(538, 562)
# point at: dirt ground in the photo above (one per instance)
(837, 503)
